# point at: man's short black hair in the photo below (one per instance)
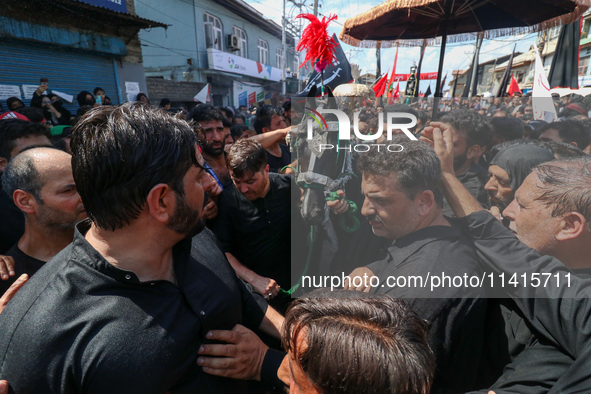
(97, 90)
(265, 116)
(35, 115)
(416, 167)
(570, 131)
(120, 153)
(287, 105)
(472, 124)
(507, 128)
(379, 340)
(239, 116)
(13, 129)
(226, 122)
(237, 130)
(562, 150)
(246, 156)
(204, 113)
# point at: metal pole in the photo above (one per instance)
(438, 88)
(475, 68)
(284, 57)
(316, 8)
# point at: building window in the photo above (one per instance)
(583, 65)
(241, 34)
(213, 32)
(279, 57)
(263, 52)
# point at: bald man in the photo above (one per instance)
(41, 184)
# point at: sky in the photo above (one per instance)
(458, 56)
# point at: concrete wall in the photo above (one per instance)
(181, 91)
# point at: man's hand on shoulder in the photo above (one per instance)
(6, 267)
(240, 358)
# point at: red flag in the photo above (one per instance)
(394, 94)
(397, 91)
(393, 72)
(380, 87)
(514, 87)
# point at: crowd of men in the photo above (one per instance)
(149, 249)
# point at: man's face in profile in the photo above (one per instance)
(299, 382)
(187, 217)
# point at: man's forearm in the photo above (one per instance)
(242, 272)
(270, 138)
(272, 323)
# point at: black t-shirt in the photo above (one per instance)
(257, 232)
(456, 314)
(23, 264)
(12, 222)
(277, 163)
(83, 325)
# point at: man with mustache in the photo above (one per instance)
(403, 200)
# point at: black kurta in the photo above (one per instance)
(83, 325)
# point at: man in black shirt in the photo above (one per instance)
(472, 134)
(126, 307)
(269, 119)
(403, 198)
(41, 184)
(549, 215)
(253, 223)
(15, 136)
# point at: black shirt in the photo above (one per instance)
(559, 314)
(83, 325)
(257, 232)
(473, 180)
(277, 163)
(12, 221)
(456, 315)
(23, 264)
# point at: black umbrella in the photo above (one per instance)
(415, 20)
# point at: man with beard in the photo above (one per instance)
(509, 168)
(472, 134)
(212, 140)
(15, 136)
(403, 199)
(126, 307)
(41, 184)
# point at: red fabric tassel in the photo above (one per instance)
(320, 46)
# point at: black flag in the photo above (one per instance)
(466, 91)
(423, 47)
(335, 74)
(564, 72)
(428, 92)
(506, 80)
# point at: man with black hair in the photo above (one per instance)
(269, 118)
(506, 129)
(253, 223)
(382, 331)
(403, 202)
(210, 128)
(16, 135)
(41, 184)
(569, 131)
(100, 92)
(127, 306)
(35, 115)
(472, 135)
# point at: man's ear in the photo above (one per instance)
(425, 201)
(475, 151)
(572, 226)
(161, 202)
(25, 201)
